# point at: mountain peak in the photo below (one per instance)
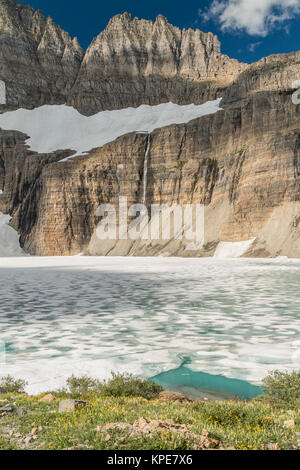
(161, 18)
(132, 62)
(120, 18)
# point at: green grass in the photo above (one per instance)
(240, 425)
(6, 444)
(236, 424)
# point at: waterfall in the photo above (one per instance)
(145, 177)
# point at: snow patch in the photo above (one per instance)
(62, 127)
(233, 249)
(9, 239)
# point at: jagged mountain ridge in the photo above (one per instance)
(39, 62)
(151, 63)
(242, 163)
(132, 62)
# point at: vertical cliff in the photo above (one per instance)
(137, 61)
(39, 62)
(132, 62)
(242, 162)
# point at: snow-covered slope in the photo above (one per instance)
(9, 239)
(233, 249)
(62, 127)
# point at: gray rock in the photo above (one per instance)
(28, 440)
(67, 406)
(7, 409)
(21, 411)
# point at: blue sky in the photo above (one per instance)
(248, 29)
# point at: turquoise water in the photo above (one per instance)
(201, 385)
(235, 320)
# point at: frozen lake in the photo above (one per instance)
(58, 316)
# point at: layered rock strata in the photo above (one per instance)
(132, 62)
(242, 163)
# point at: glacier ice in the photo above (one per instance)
(61, 127)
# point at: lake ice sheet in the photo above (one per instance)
(58, 316)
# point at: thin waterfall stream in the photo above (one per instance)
(145, 176)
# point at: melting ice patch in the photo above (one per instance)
(233, 249)
(62, 127)
(9, 239)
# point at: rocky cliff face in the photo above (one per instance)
(242, 163)
(39, 62)
(132, 62)
(150, 63)
(224, 161)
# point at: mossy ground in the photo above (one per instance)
(239, 425)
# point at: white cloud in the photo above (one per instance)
(256, 17)
(253, 46)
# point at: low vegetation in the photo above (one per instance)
(10, 385)
(270, 422)
(283, 389)
(120, 385)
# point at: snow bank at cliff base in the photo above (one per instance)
(233, 249)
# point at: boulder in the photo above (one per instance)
(67, 406)
(7, 409)
(21, 411)
(28, 440)
(206, 441)
(47, 398)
